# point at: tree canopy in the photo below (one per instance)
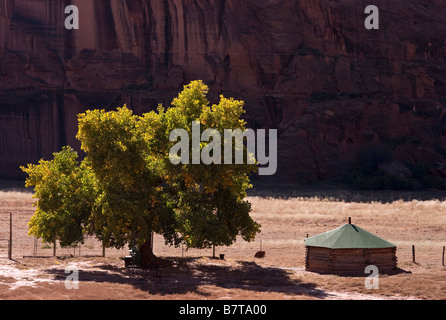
(66, 194)
(128, 187)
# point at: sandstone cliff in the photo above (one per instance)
(306, 67)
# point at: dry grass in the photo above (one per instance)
(280, 275)
(16, 201)
(417, 222)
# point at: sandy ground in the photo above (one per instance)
(199, 278)
(280, 275)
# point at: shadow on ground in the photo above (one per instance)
(395, 272)
(344, 194)
(188, 275)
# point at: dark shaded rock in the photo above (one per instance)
(308, 68)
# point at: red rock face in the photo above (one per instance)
(308, 68)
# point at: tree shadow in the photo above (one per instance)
(359, 274)
(188, 275)
(344, 193)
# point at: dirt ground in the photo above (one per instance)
(280, 275)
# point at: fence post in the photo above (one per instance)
(413, 253)
(10, 237)
(35, 247)
(442, 259)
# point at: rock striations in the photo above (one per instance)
(309, 68)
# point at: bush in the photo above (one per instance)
(421, 172)
(367, 176)
(368, 160)
(379, 181)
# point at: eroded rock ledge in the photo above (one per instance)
(308, 68)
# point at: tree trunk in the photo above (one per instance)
(148, 259)
(147, 256)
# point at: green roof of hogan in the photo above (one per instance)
(347, 236)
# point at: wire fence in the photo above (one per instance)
(290, 252)
(32, 247)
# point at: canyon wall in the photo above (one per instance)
(308, 68)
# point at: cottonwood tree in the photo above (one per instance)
(212, 209)
(131, 187)
(66, 194)
(133, 203)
